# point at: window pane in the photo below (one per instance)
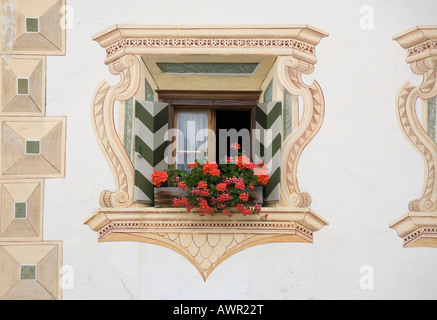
(192, 140)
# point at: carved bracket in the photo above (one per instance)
(422, 62)
(128, 67)
(290, 75)
(416, 134)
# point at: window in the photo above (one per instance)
(194, 141)
(231, 68)
(188, 125)
(241, 122)
(206, 121)
(208, 134)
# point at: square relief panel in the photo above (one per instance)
(32, 147)
(30, 270)
(33, 27)
(21, 210)
(23, 86)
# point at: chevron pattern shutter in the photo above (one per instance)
(269, 125)
(151, 125)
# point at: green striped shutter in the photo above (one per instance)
(268, 145)
(151, 125)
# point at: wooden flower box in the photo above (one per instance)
(165, 195)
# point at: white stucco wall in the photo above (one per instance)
(360, 170)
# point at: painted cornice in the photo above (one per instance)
(420, 42)
(298, 41)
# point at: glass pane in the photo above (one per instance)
(192, 141)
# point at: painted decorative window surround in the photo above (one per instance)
(284, 53)
(418, 227)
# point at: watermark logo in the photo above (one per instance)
(367, 17)
(367, 280)
(255, 144)
(67, 18)
(67, 277)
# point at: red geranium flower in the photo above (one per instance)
(240, 207)
(221, 186)
(263, 179)
(210, 190)
(224, 197)
(211, 168)
(202, 185)
(192, 165)
(262, 176)
(247, 212)
(244, 196)
(242, 162)
(240, 185)
(205, 208)
(182, 185)
(180, 202)
(159, 177)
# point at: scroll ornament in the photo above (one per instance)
(290, 75)
(416, 134)
(128, 68)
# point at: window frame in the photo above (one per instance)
(211, 101)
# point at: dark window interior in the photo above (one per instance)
(230, 119)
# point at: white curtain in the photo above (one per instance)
(192, 137)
